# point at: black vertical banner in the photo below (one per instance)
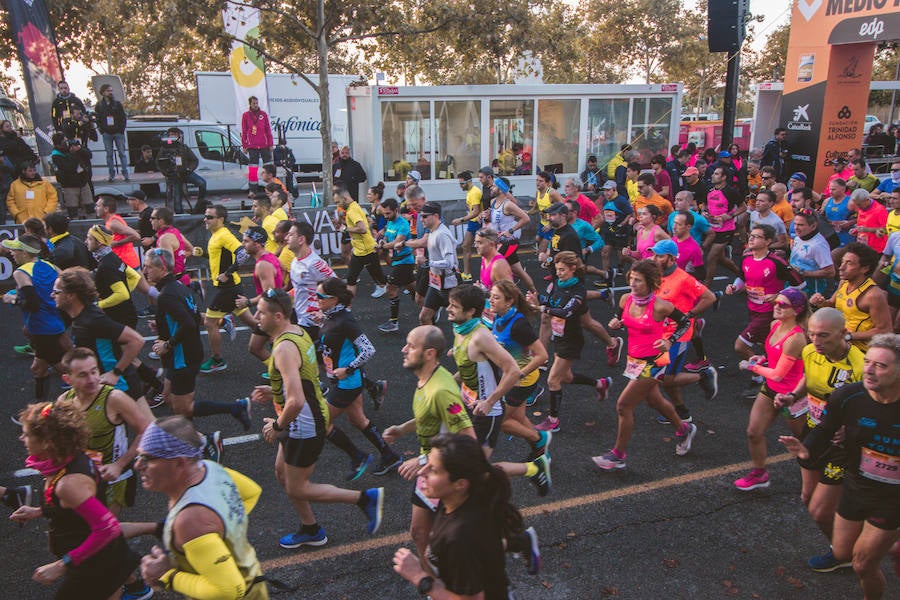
(33, 35)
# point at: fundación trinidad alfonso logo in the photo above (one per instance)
(808, 9)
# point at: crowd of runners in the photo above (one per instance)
(820, 273)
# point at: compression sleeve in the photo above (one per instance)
(119, 295)
(682, 324)
(133, 278)
(365, 351)
(241, 257)
(570, 308)
(104, 529)
(28, 299)
(247, 488)
(785, 362)
(217, 577)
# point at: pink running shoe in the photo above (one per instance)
(548, 424)
(753, 480)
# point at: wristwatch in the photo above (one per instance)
(117, 371)
(276, 427)
(848, 337)
(425, 584)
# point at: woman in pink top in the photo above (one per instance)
(647, 233)
(494, 267)
(782, 369)
(649, 321)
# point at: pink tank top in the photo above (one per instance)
(645, 241)
(642, 331)
(773, 355)
(485, 273)
(180, 254)
(279, 275)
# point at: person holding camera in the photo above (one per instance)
(72, 166)
(178, 163)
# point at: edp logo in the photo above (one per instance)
(872, 29)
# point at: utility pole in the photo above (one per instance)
(726, 27)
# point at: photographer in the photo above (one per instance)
(72, 165)
(178, 163)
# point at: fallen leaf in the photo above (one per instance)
(710, 432)
(667, 439)
(610, 591)
(755, 596)
(794, 582)
(589, 423)
(671, 563)
(561, 545)
(731, 568)
(779, 571)
(536, 413)
(571, 534)
(547, 585)
(726, 583)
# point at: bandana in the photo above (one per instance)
(643, 300)
(467, 327)
(501, 320)
(796, 298)
(564, 283)
(46, 466)
(161, 444)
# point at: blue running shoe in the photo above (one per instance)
(374, 508)
(358, 467)
(137, 592)
(295, 540)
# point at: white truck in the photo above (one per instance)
(293, 104)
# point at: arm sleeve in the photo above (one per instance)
(785, 362)
(249, 490)
(218, 576)
(365, 350)
(682, 323)
(28, 299)
(132, 277)
(104, 529)
(570, 308)
(119, 295)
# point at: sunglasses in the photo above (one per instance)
(754, 236)
(55, 292)
(322, 296)
(209, 217)
(145, 458)
(783, 305)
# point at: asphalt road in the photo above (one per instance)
(666, 527)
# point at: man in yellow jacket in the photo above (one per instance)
(30, 196)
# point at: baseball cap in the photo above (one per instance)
(415, 176)
(610, 185)
(691, 171)
(430, 208)
(17, 245)
(612, 206)
(486, 171)
(799, 177)
(724, 154)
(556, 208)
(665, 247)
(137, 194)
(257, 234)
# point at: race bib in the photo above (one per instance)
(110, 121)
(431, 503)
(329, 366)
(469, 396)
(337, 173)
(558, 326)
(253, 130)
(29, 194)
(816, 408)
(879, 467)
(96, 457)
(177, 161)
(434, 280)
(799, 408)
(755, 294)
(65, 114)
(634, 367)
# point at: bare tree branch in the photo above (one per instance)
(363, 36)
(281, 14)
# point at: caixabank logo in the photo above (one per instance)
(801, 120)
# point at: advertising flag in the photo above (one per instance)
(247, 68)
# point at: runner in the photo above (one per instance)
(124, 237)
(205, 551)
(301, 424)
(442, 262)
(782, 370)
(644, 315)
(403, 263)
(364, 255)
(508, 220)
(472, 219)
(171, 238)
(114, 279)
(345, 350)
(512, 330)
(811, 255)
(93, 560)
(546, 194)
(307, 270)
(723, 204)
(647, 233)
(266, 275)
(494, 267)
(564, 304)
(473, 520)
(480, 358)
(867, 523)
(107, 412)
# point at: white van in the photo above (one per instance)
(222, 163)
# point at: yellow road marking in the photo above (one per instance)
(400, 539)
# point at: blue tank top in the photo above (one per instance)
(45, 320)
(838, 212)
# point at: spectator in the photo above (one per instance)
(30, 196)
(774, 153)
(592, 178)
(63, 104)
(111, 121)
(79, 126)
(145, 163)
(256, 139)
(72, 166)
(68, 250)
(178, 163)
(662, 181)
(351, 173)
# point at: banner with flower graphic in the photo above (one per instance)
(247, 68)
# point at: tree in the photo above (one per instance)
(769, 63)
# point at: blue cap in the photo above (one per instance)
(502, 185)
(724, 154)
(799, 176)
(665, 247)
(612, 206)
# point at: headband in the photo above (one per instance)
(161, 444)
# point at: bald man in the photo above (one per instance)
(829, 362)
(782, 206)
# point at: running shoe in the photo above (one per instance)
(718, 294)
(608, 295)
(18, 496)
(211, 365)
(24, 350)
(358, 467)
(826, 563)
(388, 464)
(549, 424)
(683, 413)
(541, 480)
(614, 354)
(146, 313)
(214, 448)
(378, 392)
(696, 367)
(542, 447)
(753, 480)
(709, 382)
(228, 326)
(609, 461)
(155, 398)
(374, 508)
(684, 441)
(538, 392)
(602, 386)
(699, 324)
(466, 277)
(242, 413)
(295, 540)
(611, 277)
(533, 556)
(389, 327)
(751, 390)
(380, 290)
(137, 591)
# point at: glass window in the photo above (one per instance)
(650, 119)
(406, 139)
(210, 144)
(457, 127)
(512, 136)
(557, 136)
(607, 127)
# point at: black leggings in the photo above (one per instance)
(372, 265)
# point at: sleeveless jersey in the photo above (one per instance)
(279, 275)
(543, 203)
(313, 418)
(180, 253)
(485, 273)
(773, 355)
(124, 251)
(642, 331)
(478, 379)
(502, 222)
(847, 303)
(717, 205)
(108, 441)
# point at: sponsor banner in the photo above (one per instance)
(30, 27)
